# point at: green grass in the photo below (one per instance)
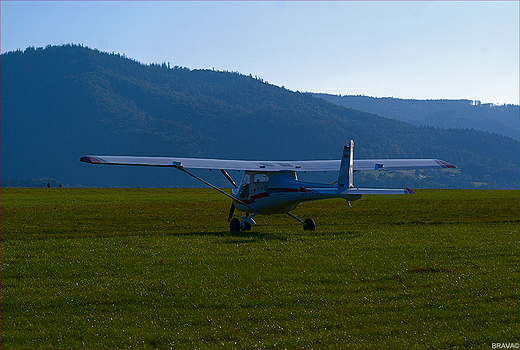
(157, 268)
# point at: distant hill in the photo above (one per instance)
(61, 102)
(500, 119)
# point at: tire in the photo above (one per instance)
(247, 226)
(309, 225)
(234, 225)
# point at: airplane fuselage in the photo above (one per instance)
(280, 192)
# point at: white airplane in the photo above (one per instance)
(272, 187)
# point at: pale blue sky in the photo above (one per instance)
(423, 50)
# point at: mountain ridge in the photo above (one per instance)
(470, 114)
(61, 102)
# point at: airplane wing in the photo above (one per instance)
(304, 165)
(200, 163)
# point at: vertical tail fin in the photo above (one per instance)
(346, 170)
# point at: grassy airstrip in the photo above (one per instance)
(157, 268)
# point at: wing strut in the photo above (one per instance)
(214, 187)
(225, 173)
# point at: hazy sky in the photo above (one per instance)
(423, 50)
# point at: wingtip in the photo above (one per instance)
(447, 165)
(91, 159)
(410, 191)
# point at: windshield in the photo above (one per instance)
(244, 187)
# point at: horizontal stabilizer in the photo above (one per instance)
(378, 191)
(400, 164)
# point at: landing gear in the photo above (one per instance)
(234, 225)
(308, 224)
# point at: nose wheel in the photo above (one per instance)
(236, 225)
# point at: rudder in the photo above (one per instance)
(346, 170)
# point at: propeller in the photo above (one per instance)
(228, 177)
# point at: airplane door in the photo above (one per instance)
(259, 183)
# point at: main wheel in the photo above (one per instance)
(309, 225)
(246, 226)
(234, 225)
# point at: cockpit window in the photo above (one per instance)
(261, 178)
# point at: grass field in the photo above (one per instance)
(157, 268)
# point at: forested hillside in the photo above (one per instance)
(61, 102)
(500, 119)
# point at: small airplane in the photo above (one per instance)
(272, 187)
